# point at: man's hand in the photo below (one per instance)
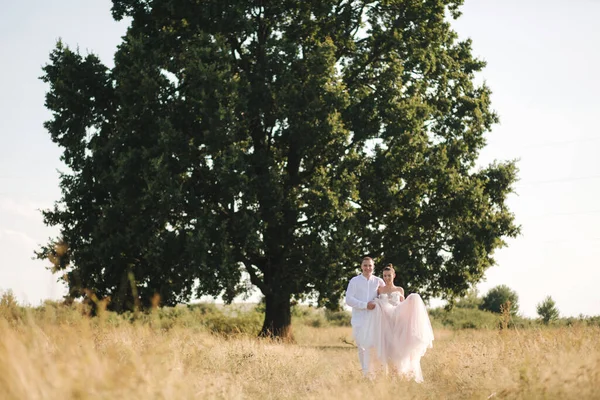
(370, 305)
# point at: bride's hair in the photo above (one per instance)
(389, 267)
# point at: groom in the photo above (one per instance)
(361, 292)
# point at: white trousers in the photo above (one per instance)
(363, 352)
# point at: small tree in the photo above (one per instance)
(499, 295)
(547, 310)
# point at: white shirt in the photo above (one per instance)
(360, 292)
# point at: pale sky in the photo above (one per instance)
(543, 66)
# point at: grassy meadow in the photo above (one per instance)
(208, 352)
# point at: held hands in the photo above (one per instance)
(370, 305)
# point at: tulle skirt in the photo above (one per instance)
(400, 335)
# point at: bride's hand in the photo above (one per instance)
(401, 298)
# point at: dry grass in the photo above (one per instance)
(79, 358)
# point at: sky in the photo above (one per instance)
(542, 68)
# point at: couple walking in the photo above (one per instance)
(394, 330)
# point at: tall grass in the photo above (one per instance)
(57, 352)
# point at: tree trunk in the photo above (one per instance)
(278, 317)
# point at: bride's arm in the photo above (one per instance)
(401, 293)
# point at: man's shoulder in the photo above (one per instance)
(357, 277)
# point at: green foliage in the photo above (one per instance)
(8, 300)
(338, 318)
(273, 143)
(319, 317)
(233, 320)
(463, 318)
(547, 310)
(497, 297)
(249, 323)
(217, 319)
(59, 313)
(470, 300)
(473, 318)
(9, 307)
(586, 319)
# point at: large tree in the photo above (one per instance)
(279, 141)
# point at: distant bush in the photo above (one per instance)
(464, 318)
(497, 297)
(9, 307)
(248, 324)
(319, 317)
(581, 320)
(217, 319)
(338, 318)
(247, 319)
(471, 300)
(593, 321)
(56, 312)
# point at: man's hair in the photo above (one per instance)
(367, 259)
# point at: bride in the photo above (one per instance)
(399, 329)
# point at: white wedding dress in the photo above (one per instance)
(400, 333)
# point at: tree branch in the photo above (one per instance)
(256, 281)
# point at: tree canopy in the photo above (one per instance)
(279, 141)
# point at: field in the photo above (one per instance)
(53, 352)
